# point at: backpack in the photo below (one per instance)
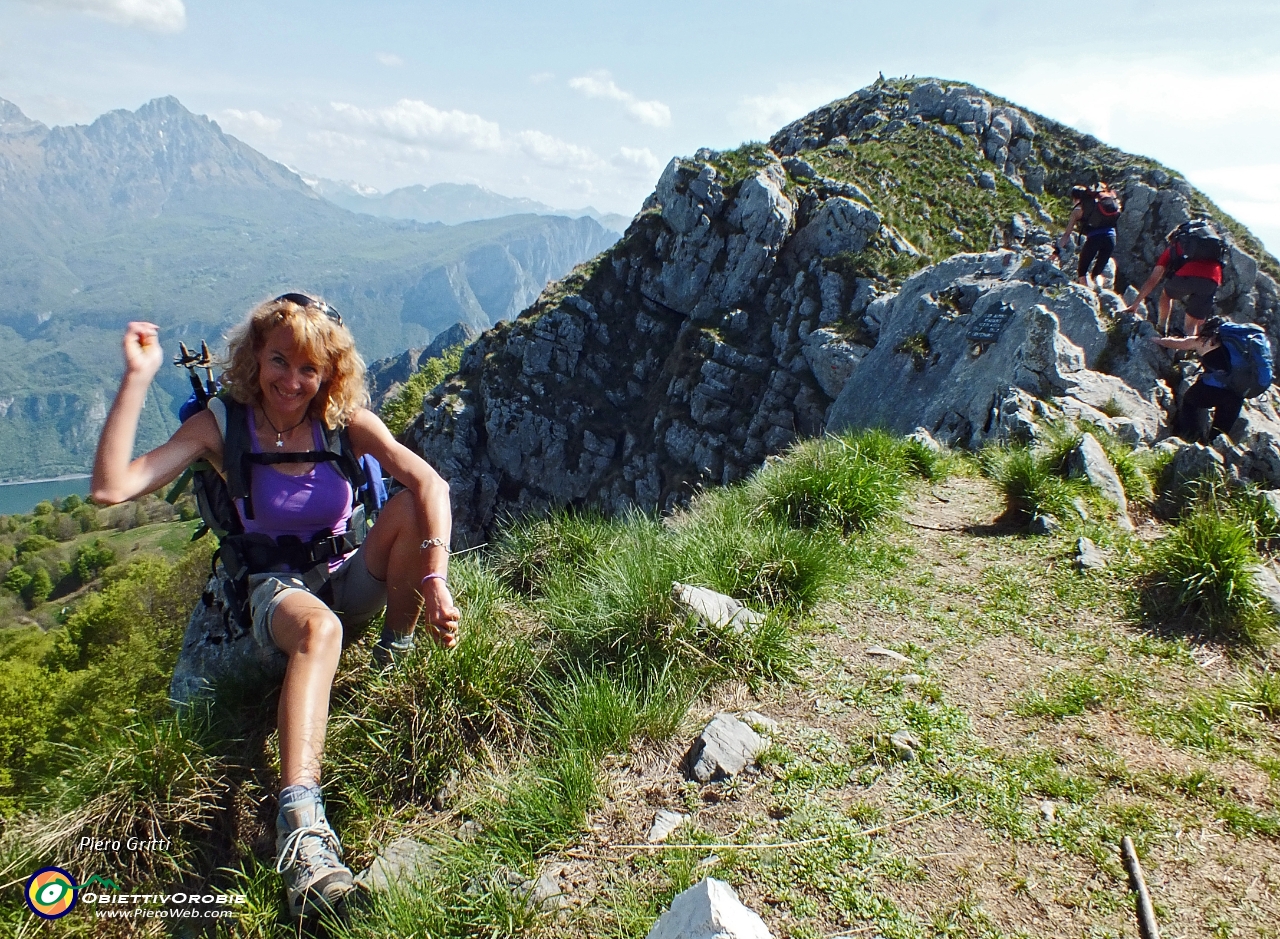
(243, 553)
(1251, 371)
(1196, 240)
(1103, 211)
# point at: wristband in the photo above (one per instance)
(440, 577)
(435, 543)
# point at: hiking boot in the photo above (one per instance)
(310, 857)
(390, 652)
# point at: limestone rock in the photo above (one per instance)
(1044, 525)
(714, 610)
(925, 371)
(725, 748)
(710, 909)
(904, 745)
(839, 225)
(664, 823)
(215, 645)
(925, 439)
(1193, 461)
(1089, 460)
(398, 865)
(543, 892)
(832, 359)
(1264, 578)
(1089, 557)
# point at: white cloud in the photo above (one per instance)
(166, 16)
(416, 122)
(553, 151)
(237, 120)
(642, 157)
(601, 85)
(389, 59)
(762, 115)
(538, 78)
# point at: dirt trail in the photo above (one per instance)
(1048, 723)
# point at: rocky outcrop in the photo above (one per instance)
(762, 296)
(385, 376)
(926, 370)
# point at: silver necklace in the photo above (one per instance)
(280, 433)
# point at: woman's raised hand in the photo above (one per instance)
(142, 353)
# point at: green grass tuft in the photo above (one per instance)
(846, 483)
(1204, 568)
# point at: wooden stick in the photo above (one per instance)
(1147, 927)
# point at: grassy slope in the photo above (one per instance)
(565, 710)
(1033, 684)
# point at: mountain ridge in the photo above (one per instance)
(450, 203)
(735, 313)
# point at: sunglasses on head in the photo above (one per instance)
(302, 300)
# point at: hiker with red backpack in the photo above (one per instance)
(283, 443)
(1237, 363)
(1095, 215)
(1193, 260)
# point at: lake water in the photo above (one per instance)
(18, 498)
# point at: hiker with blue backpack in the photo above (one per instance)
(1237, 363)
(1193, 260)
(1095, 214)
(281, 446)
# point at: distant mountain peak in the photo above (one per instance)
(14, 122)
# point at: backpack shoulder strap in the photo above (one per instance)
(339, 442)
(235, 447)
(218, 408)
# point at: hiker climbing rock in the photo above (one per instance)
(1193, 260)
(1095, 215)
(1237, 364)
(286, 433)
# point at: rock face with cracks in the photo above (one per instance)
(778, 292)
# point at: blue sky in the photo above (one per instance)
(576, 103)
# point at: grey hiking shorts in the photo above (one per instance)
(1196, 294)
(358, 596)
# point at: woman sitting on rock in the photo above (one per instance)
(294, 377)
(1209, 390)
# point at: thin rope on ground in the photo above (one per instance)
(765, 846)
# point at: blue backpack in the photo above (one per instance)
(1252, 370)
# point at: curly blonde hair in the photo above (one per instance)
(323, 339)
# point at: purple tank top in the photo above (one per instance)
(306, 505)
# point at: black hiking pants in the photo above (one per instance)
(1096, 250)
(1226, 408)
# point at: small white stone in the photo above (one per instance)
(888, 654)
(664, 823)
(710, 909)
